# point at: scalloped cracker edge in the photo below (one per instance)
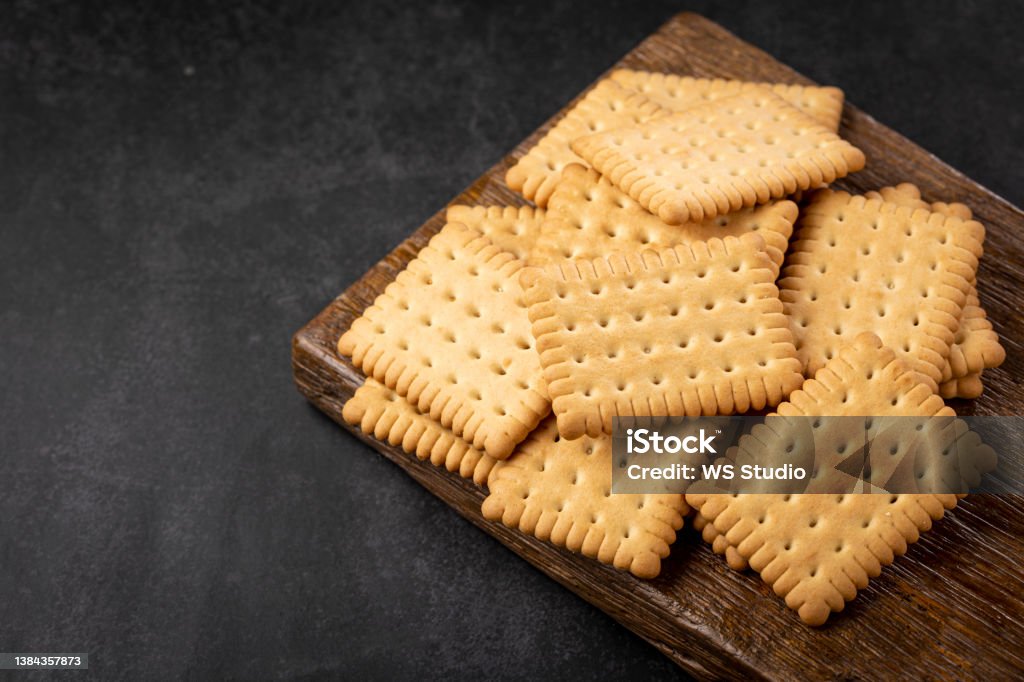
(380, 412)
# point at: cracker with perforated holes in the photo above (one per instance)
(451, 334)
(817, 551)
(720, 157)
(608, 105)
(590, 217)
(560, 490)
(693, 330)
(868, 265)
(380, 412)
(975, 345)
(513, 228)
(679, 93)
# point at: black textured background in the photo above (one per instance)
(183, 185)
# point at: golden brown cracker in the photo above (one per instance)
(816, 551)
(451, 334)
(862, 265)
(560, 490)
(976, 345)
(720, 157)
(693, 330)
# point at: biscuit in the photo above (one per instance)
(608, 105)
(720, 157)
(380, 412)
(976, 345)
(513, 228)
(590, 217)
(693, 330)
(817, 551)
(451, 334)
(868, 265)
(678, 93)
(560, 490)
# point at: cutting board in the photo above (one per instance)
(950, 608)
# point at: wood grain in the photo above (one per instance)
(951, 608)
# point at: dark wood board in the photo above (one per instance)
(951, 608)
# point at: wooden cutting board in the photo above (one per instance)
(950, 608)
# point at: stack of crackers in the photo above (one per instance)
(665, 268)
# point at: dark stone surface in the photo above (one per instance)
(183, 186)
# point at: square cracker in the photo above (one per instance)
(380, 412)
(678, 93)
(976, 345)
(451, 334)
(817, 551)
(868, 265)
(513, 228)
(560, 490)
(720, 157)
(608, 105)
(693, 330)
(590, 217)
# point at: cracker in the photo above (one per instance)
(608, 105)
(817, 551)
(560, 490)
(380, 412)
(590, 217)
(451, 334)
(693, 330)
(513, 228)
(868, 265)
(679, 93)
(720, 157)
(976, 345)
